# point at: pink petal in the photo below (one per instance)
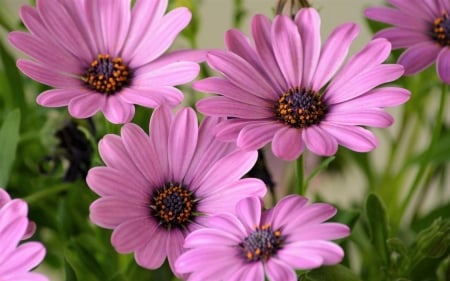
(419, 57)
(298, 260)
(153, 254)
(256, 135)
(133, 234)
(396, 17)
(169, 75)
(87, 105)
(308, 24)
(323, 231)
(110, 212)
(118, 111)
(374, 117)
(238, 43)
(402, 37)
(253, 271)
(378, 97)
(443, 65)
(228, 223)
(278, 270)
(282, 212)
(174, 248)
(261, 31)
(333, 53)
(288, 50)
(114, 154)
(43, 74)
(24, 258)
(353, 137)
(228, 130)
(138, 145)
(319, 142)
(328, 251)
(224, 107)
(183, 137)
(59, 97)
(152, 97)
(248, 211)
(287, 143)
(207, 237)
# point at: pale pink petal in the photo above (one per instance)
(117, 111)
(401, 37)
(132, 234)
(209, 236)
(24, 258)
(110, 212)
(288, 50)
(224, 107)
(278, 270)
(248, 211)
(374, 117)
(333, 53)
(281, 215)
(294, 258)
(308, 24)
(238, 43)
(183, 137)
(419, 57)
(226, 223)
(86, 105)
(318, 141)
(287, 143)
(378, 97)
(328, 251)
(443, 65)
(324, 231)
(59, 97)
(174, 248)
(228, 130)
(396, 17)
(152, 97)
(252, 271)
(256, 135)
(114, 154)
(159, 129)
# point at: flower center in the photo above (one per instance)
(441, 30)
(107, 75)
(300, 108)
(173, 206)
(261, 244)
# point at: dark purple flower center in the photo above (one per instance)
(300, 108)
(261, 244)
(441, 30)
(107, 75)
(173, 206)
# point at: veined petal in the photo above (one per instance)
(287, 143)
(118, 111)
(419, 57)
(225, 107)
(172, 74)
(318, 141)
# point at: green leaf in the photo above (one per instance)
(378, 225)
(438, 153)
(331, 273)
(9, 138)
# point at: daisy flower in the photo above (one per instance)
(253, 244)
(423, 28)
(100, 55)
(17, 260)
(157, 188)
(289, 90)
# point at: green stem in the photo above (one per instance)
(301, 190)
(423, 166)
(47, 192)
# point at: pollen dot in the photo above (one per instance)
(261, 244)
(107, 75)
(173, 206)
(300, 108)
(441, 30)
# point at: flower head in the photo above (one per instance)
(102, 56)
(252, 243)
(157, 188)
(423, 28)
(289, 90)
(16, 260)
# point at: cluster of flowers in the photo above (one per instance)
(177, 192)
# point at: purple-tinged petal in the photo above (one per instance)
(196, 56)
(24, 258)
(288, 50)
(114, 154)
(110, 212)
(153, 254)
(86, 105)
(287, 143)
(248, 211)
(353, 137)
(309, 215)
(224, 107)
(256, 135)
(208, 236)
(419, 57)
(241, 73)
(278, 270)
(443, 65)
(416, 9)
(333, 53)
(59, 97)
(396, 17)
(228, 130)
(328, 251)
(42, 74)
(324, 231)
(308, 24)
(152, 97)
(251, 271)
(174, 248)
(132, 234)
(261, 31)
(282, 212)
(169, 75)
(239, 44)
(318, 141)
(294, 258)
(227, 223)
(375, 117)
(378, 97)
(117, 111)
(183, 138)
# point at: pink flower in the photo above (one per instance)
(288, 89)
(16, 260)
(157, 188)
(102, 56)
(4, 199)
(423, 28)
(252, 243)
